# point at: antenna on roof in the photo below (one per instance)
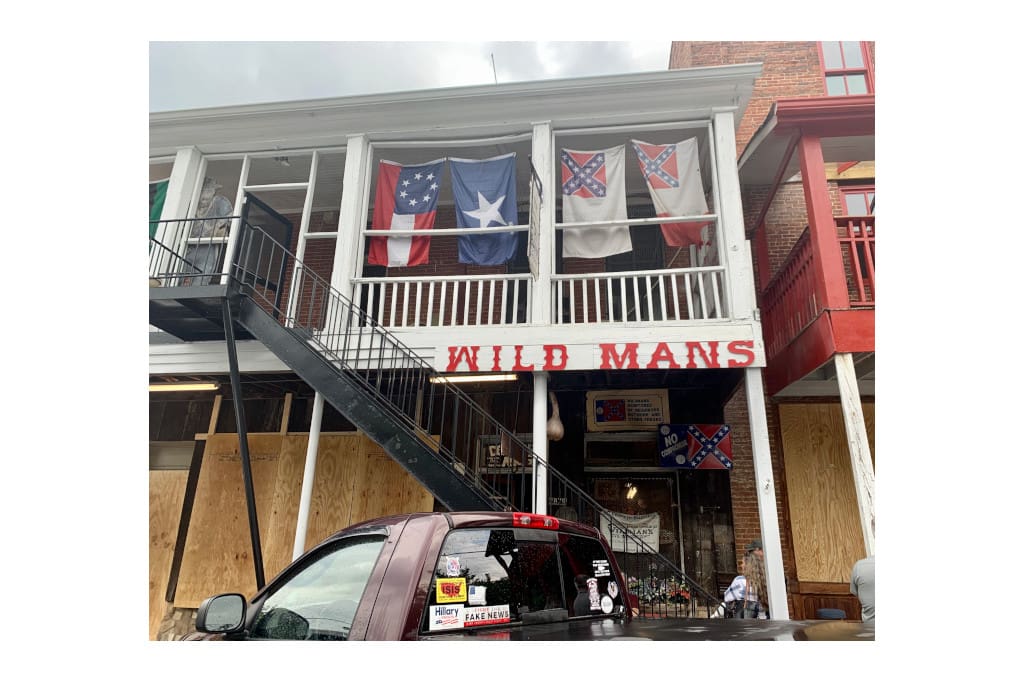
(493, 70)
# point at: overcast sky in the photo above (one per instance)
(188, 75)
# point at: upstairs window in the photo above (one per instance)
(858, 200)
(847, 67)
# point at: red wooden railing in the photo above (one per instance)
(857, 242)
(791, 301)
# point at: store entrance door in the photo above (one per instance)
(644, 494)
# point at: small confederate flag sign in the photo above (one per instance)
(695, 447)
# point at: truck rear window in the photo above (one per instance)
(486, 577)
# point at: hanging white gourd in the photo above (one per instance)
(555, 429)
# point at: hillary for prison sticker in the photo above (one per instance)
(451, 590)
(444, 617)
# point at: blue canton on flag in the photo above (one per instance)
(583, 173)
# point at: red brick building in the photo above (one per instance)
(805, 146)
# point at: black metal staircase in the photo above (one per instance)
(431, 427)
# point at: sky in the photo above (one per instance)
(193, 74)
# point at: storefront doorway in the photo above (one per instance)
(693, 508)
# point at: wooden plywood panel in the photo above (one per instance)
(218, 552)
(827, 537)
(390, 489)
(166, 493)
(337, 473)
(278, 528)
(355, 480)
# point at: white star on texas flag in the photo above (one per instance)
(487, 212)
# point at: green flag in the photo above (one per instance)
(157, 194)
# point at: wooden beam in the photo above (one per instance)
(860, 449)
(286, 413)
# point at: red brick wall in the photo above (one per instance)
(742, 483)
(789, 69)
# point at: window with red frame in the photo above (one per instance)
(859, 200)
(847, 67)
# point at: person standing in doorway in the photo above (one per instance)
(862, 585)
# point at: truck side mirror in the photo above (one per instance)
(223, 613)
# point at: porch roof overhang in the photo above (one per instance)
(846, 126)
(482, 111)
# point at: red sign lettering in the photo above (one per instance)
(626, 360)
(549, 356)
(742, 348)
(457, 354)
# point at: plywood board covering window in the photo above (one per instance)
(827, 536)
(355, 480)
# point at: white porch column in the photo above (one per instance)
(543, 161)
(180, 188)
(348, 248)
(734, 251)
(766, 507)
(308, 477)
(860, 449)
(540, 442)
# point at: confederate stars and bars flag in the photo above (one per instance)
(406, 199)
(594, 190)
(673, 179)
(695, 447)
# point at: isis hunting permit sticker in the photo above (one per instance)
(451, 590)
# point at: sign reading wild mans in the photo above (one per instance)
(663, 355)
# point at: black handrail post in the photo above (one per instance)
(243, 444)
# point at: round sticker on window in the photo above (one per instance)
(613, 589)
(606, 604)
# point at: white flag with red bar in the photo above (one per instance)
(673, 178)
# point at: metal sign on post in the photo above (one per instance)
(536, 200)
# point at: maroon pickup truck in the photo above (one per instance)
(466, 575)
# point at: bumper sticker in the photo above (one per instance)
(482, 616)
(444, 617)
(451, 590)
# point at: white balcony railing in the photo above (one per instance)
(443, 301)
(639, 296)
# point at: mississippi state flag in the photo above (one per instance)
(406, 199)
(594, 189)
(485, 196)
(673, 179)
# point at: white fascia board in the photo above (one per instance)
(661, 96)
(211, 358)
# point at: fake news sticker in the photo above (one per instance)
(451, 590)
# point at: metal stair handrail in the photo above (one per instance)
(355, 343)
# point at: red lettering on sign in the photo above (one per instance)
(626, 360)
(519, 360)
(709, 361)
(662, 354)
(457, 354)
(450, 589)
(497, 359)
(549, 356)
(741, 348)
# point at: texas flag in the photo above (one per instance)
(406, 199)
(485, 196)
(673, 179)
(594, 189)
